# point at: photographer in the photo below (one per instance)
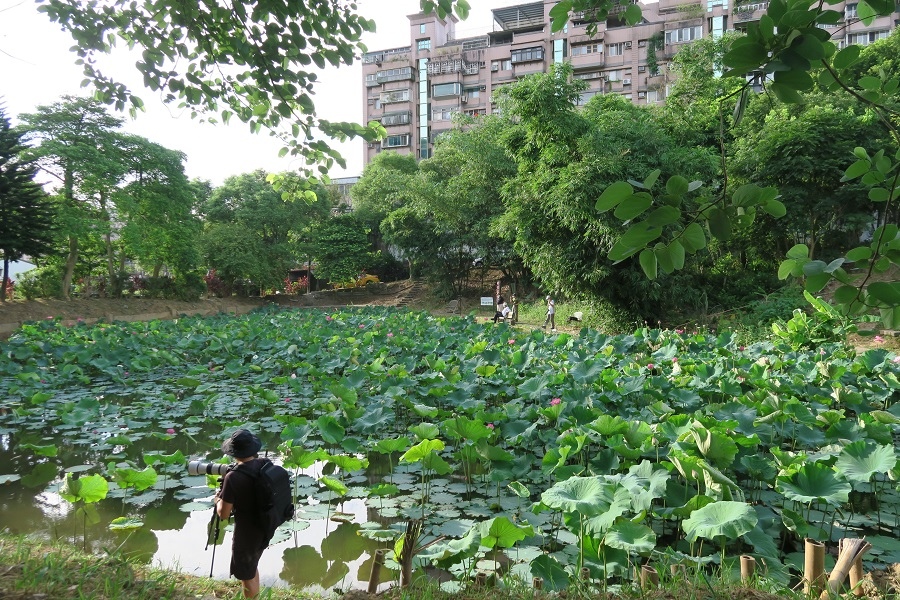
(238, 496)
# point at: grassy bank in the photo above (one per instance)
(31, 569)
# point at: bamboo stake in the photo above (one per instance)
(851, 551)
(537, 583)
(814, 567)
(856, 576)
(481, 579)
(376, 571)
(748, 568)
(649, 577)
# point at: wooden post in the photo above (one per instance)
(814, 567)
(851, 551)
(649, 577)
(376, 571)
(856, 576)
(585, 574)
(481, 579)
(748, 567)
(678, 569)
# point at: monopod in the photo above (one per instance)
(212, 537)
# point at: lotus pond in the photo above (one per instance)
(521, 454)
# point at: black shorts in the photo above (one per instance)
(244, 563)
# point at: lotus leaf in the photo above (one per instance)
(860, 460)
(125, 524)
(630, 536)
(814, 482)
(88, 489)
(723, 519)
(500, 532)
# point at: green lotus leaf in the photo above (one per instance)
(390, 445)
(584, 495)
(500, 532)
(461, 427)
(125, 524)
(813, 482)
(348, 463)
(859, 461)
(551, 571)
(421, 450)
(335, 485)
(88, 489)
(330, 429)
(631, 537)
(425, 431)
(725, 519)
(49, 450)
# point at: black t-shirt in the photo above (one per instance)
(239, 489)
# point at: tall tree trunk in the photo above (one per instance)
(69, 273)
(107, 240)
(3, 283)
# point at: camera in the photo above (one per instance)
(199, 467)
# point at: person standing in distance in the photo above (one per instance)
(238, 496)
(551, 313)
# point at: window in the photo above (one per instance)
(475, 112)
(559, 51)
(588, 75)
(387, 75)
(377, 102)
(395, 141)
(585, 96)
(395, 96)
(615, 49)
(501, 65)
(685, 34)
(850, 11)
(717, 26)
(424, 44)
(397, 118)
(642, 43)
(653, 96)
(582, 49)
(444, 90)
(866, 37)
(422, 28)
(642, 68)
(472, 92)
(527, 54)
(442, 114)
(618, 75)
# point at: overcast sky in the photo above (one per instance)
(37, 68)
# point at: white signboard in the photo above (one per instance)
(487, 301)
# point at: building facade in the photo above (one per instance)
(415, 89)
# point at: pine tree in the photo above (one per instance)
(26, 213)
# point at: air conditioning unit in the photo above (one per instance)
(642, 68)
(373, 145)
(626, 82)
(642, 94)
(628, 45)
(495, 68)
(464, 98)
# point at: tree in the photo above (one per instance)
(74, 144)
(250, 230)
(386, 185)
(341, 249)
(249, 61)
(26, 214)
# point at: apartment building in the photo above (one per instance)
(415, 89)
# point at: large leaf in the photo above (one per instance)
(584, 495)
(813, 482)
(631, 537)
(724, 519)
(500, 532)
(859, 461)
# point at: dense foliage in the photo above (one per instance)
(533, 455)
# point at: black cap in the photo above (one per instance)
(241, 444)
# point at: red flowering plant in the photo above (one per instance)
(214, 284)
(295, 287)
(10, 288)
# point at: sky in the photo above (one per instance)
(37, 68)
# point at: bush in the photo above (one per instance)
(387, 267)
(189, 287)
(40, 283)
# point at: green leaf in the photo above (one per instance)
(775, 208)
(677, 185)
(886, 292)
(648, 262)
(89, 489)
(422, 450)
(613, 195)
(334, 485)
(719, 224)
(798, 251)
(870, 83)
(676, 252)
(725, 519)
(693, 238)
(633, 206)
(500, 532)
(786, 268)
(846, 57)
(583, 495)
(786, 93)
(813, 482)
(631, 537)
(633, 14)
(860, 460)
(664, 215)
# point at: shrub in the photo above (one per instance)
(43, 282)
(188, 287)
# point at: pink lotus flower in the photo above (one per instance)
(896, 359)
(555, 401)
(679, 331)
(650, 365)
(489, 425)
(741, 348)
(49, 318)
(878, 339)
(511, 342)
(390, 334)
(287, 399)
(362, 326)
(675, 359)
(170, 431)
(328, 318)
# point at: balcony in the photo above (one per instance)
(749, 12)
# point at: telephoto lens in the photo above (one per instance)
(199, 467)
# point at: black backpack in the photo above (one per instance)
(274, 497)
